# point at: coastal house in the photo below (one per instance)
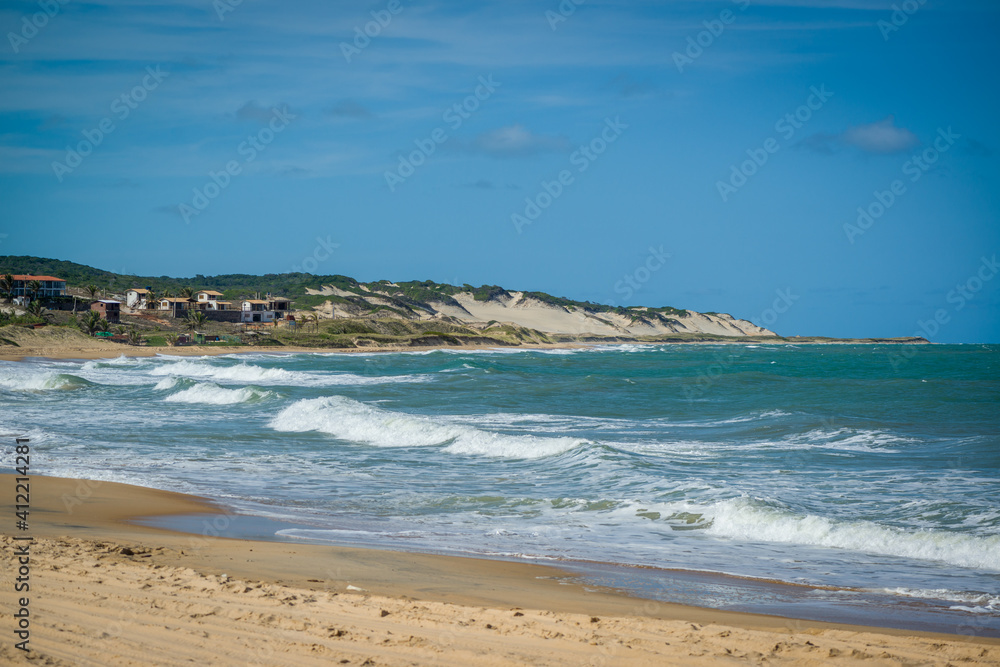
(137, 298)
(108, 310)
(177, 307)
(50, 286)
(279, 305)
(209, 300)
(256, 310)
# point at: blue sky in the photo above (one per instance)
(705, 155)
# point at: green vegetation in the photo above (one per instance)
(404, 299)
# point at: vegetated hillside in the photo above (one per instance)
(342, 296)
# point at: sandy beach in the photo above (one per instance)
(106, 591)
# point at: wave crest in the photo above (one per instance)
(212, 394)
(347, 419)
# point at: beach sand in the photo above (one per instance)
(58, 343)
(107, 592)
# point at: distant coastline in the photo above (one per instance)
(58, 309)
(18, 343)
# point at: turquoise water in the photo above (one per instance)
(856, 470)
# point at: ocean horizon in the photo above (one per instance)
(863, 475)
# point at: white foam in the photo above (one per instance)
(251, 374)
(753, 521)
(973, 602)
(38, 381)
(347, 419)
(213, 394)
(120, 360)
(165, 384)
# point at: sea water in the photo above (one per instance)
(859, 472)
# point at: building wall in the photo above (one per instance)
(223, 315)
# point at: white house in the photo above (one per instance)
(177, 307)
(136, 298)
(256, 310)
(209, 300)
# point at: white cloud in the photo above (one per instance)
(882, 137)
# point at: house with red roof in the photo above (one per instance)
(50, 286)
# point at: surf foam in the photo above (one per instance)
(749, 520)
(347, 419)
(252, 374)
(45, 381)
(212, 394)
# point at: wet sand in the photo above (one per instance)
(105, 590)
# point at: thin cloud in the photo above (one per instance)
(517, 141)
(973, 147)
(626, 86)
(173, 210)
(349, 109)
(251, 111)
(880, 138)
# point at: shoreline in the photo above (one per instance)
(63, 353)
(87, 544)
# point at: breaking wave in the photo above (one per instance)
(251, 374)
(348, 419)
(212, 394)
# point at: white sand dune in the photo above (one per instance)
(524, 310)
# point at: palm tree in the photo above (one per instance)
(91, 322)
(34, 286)
(92, 290)
(35, 309)
(311, 317)
(195, 320)
(7, 286)
(121, 329)
(186, 292)
(151, 300)
(171, 339)
(134, 338)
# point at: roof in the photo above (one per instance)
(225, 302)
(30, 277)
(174, 299)
(109, 301)
(208, 291)
(278, 298)
(254, 301)
(139, 290)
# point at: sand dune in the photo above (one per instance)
(524, 310)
